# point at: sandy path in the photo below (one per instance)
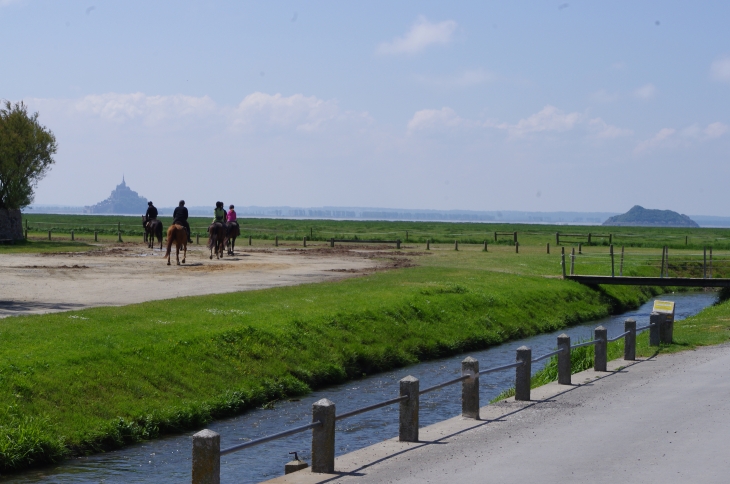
(114, 276)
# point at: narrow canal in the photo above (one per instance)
(167, 460)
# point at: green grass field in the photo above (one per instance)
(95, 379)
(419, 232)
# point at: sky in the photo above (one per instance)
(499, 105)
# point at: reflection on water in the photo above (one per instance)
(168, 460)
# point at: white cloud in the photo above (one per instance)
(663, 137)
(256, 112)
(428, 119)
(151, 110)
(715, 130)
(306, 113)
(463, 79)
(549, 118)
(645, 92)
(720, 69)
(600, 129)
(421, 35)
(685, 138)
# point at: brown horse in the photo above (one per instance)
(233, 231)
(152, 228)
(177, 234)
(216, 239)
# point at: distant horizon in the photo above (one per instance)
(506, 216)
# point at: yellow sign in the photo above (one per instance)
(666, 307)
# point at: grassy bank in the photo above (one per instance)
(100, 378)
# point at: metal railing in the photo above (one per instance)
(206, 444)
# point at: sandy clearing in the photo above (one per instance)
(115, 276)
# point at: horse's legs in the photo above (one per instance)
(177, 252)
(185, 250)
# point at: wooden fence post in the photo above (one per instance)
(304, 241)
(470, 388)
(557, 238)
(323, 436)
(206, 457)
(562, 260)
(523, 373)
(589, 238)
(456, 245)
(485, 246)
(49, 235)
(710, 263)
(601, 353)
(580, 248)
(572, 261)
(611, 250)
(548, 247)
(408, 415)
(515, 237)
(517, 247)
(428, 244)
(661, 270)
(96, 239)
(564, 360)
(621, 266)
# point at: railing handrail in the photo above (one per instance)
(503, 367)
(585, 343)
(263, 440)
(466, 376)
(374, 406)
(445, 384)
(547, 355)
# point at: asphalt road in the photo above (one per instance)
(661, 420)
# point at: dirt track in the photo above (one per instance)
(128, 274)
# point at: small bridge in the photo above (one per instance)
(651, 281)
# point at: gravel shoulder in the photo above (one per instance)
(129, 274)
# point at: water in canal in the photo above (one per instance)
(167, 460)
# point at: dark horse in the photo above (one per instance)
(216, 239)
(178, 235)
(233, 231)
(152, 229)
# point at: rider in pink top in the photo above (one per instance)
(231, 216)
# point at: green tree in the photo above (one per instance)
(26, 154)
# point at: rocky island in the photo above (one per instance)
(639, 216)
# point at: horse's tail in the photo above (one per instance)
(170, 233)
(212, 236)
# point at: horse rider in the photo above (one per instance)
(219, 214)
(151, 213)
(180, 217)
(231, 219)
